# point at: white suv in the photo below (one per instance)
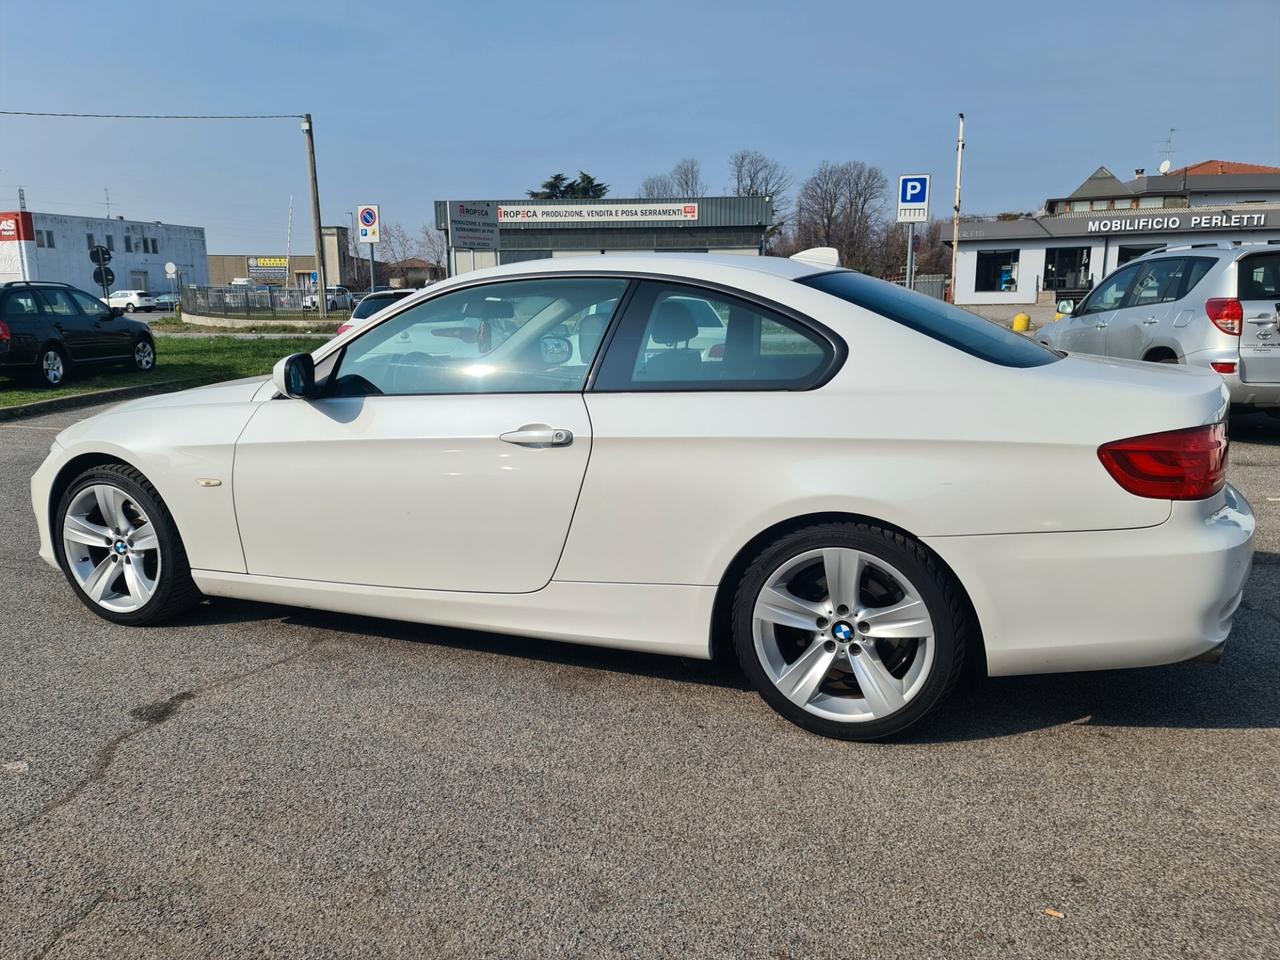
(131, 300)
(339, 298)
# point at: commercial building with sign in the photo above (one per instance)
(289, 271)
(483, 233)
(1104, 223)
(55, 246)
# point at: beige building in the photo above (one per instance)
(292, 271)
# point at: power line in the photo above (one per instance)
(157, 116)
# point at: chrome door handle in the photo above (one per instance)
(1099, 326)
(538, 435)
(1150, 320)
(1262, 319)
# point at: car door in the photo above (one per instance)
(1145, 312)
(70, 326)
(1087, 331)
(1258, 289)
(411, 468)
(111, 337)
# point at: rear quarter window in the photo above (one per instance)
(940, 321)
(1259, 277)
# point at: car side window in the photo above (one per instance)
(92, 306)
(1194, 272)
(21, 304)
(58, 303)
(519, 336)
(1159, 282)
(675, 337)
(1259, 277)
(1111, 292)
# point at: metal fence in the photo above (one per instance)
(256, 303)
(930, 284)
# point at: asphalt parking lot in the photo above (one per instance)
(262, 781)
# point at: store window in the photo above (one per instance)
(997, 271)
(1127, 252)
(1066, 268)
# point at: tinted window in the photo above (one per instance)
(1111, 292)
(1160, 281)
(1194, 272)
(372, 304)
(20, 305)
(525, 336)
(958, 328)
(1259, 277)
(675, 337)
(90, 305)
(57, 302)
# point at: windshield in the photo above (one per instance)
(957, 328)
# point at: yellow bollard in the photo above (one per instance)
(1021, 323)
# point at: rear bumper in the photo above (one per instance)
(1100, 600)
(1242, 394)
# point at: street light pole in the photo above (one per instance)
(955, 210)
(322, 292)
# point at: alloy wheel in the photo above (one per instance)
(52, 367)
(843, 635)
(112, 548)
(144, 355)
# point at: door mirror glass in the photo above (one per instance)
(1066, 306)
(555, 350)
(295, 376)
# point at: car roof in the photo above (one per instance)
(692, 265)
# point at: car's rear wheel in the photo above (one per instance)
(51, 366)
(850, 630)
(128, 308)
(119, 547)
(144, 355)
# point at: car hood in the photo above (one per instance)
(215, 394)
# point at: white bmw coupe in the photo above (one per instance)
(855, 487)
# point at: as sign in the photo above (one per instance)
(368, 223)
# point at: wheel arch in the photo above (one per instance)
(721, 643)
(1160, 352)
(67, 475)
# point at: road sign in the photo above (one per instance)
(913, 198)
(315, 276)
(103, 276)
(370, 224)
(170, 270)
(473, 226)
(100, 255)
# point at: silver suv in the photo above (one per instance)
(1212, 305)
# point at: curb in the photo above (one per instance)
(40, 407)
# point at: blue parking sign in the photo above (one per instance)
(913, 198)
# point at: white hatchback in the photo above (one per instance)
(826, 474)
(131, 300)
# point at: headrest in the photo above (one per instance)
(674, 323)
(490, 309)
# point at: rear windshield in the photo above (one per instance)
(375, 302)
(144, 293)
(1259, 277)
(957, 328)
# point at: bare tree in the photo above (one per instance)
(686, 176)
(752, 174)
(435, 248)
(399, 245)
(660, 186)
(841, 206)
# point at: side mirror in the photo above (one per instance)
(1065, 307)
(295, 376)
(117, 311)
(554, 350)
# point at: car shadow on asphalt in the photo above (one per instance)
(1260, 428)
(1241, 692)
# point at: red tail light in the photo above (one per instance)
(1186, 464)
(4, 332)
(1227, 314)
(1224, 366)
(343, 329)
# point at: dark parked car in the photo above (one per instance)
(166, 302)
(47, 329)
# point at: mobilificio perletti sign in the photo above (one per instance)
(1185, 220)
(510, 214)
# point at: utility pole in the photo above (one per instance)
(107, 194)
(322, 291)
(955, 210)
(288, 248)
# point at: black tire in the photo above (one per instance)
(42, 372)
(953, 620)
(137, 361)
(175, 590)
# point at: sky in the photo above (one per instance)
(415, 102)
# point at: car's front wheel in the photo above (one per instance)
(119, 547)
(850, 630)
(144, 355)
(128, 308)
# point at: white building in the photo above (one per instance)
(1104, 223)
(52, 246)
